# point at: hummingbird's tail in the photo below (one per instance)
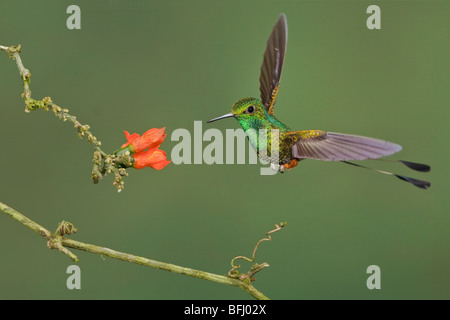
(412, 165)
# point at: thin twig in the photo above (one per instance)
(103, 163)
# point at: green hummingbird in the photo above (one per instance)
(255, 114)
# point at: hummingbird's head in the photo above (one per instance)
(244, 110)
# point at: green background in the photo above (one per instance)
(143, 64)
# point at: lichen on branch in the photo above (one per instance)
(57, 240)
(103, 162)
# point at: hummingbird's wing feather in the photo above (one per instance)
(331, 146)
(272, 65)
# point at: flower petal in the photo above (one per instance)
(130, 138)
(150, 139)
(154, 158)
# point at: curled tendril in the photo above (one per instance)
(65, 227)
(233, 273)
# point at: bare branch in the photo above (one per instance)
(57, 241)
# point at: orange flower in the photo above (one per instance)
(150, 139)
(154, 158)
(144, 149)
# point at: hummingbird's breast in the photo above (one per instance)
(268, 137)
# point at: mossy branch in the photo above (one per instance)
(103, 163)
(57, 240)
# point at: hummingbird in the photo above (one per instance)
(295, 146)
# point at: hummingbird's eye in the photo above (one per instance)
(250, 109)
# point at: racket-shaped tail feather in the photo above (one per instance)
(418, 183)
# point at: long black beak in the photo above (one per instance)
(228, 115)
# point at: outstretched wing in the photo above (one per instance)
(331, 146)
(269, 78)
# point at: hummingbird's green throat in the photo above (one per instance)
(255, 115)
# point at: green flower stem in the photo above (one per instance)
(57, 241)
(103, 163)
